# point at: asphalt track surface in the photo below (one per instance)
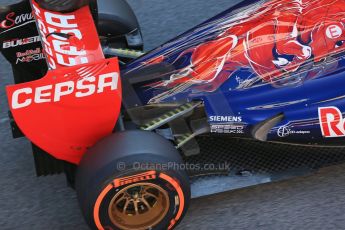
(27, 202)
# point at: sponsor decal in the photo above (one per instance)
(60, 36)
(20, 42)
(331, 122)
(29, 56)
(12, 20)
(85, 87)
(28, 52)
(225, 119)
(334, 31)
(151, 175)
(285, 131)
(228, 129)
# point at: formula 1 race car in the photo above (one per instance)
(247, 97)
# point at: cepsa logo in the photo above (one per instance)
(85, 87)
(59, 48)
(331, 122)
(13, 20)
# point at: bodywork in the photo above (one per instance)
(252, 63)
(67, 111)
(268, 70)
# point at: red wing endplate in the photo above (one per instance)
(78, 102)
(68, 39)
(70, 109)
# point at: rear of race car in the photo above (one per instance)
(69, 111)
(60, 109)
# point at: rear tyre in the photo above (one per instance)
(125, 182)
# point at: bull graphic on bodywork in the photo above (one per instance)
(274, 40)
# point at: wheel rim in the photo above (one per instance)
(139, 206)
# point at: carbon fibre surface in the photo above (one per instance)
(263, 157)
(226, 164)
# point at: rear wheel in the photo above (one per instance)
(125, 183)
(139, 206)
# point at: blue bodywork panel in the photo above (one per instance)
(253, 62)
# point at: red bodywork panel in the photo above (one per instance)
(78, 102)
(70, 109)
(68, 39)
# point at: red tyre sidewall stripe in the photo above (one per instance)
(98, 205)
(180, 194)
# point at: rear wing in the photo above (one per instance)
(78, 102)
(68, 39)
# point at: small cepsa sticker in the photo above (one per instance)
(331, 122)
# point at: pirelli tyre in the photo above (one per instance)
(131, 180)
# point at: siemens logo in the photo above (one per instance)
(225, 119)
